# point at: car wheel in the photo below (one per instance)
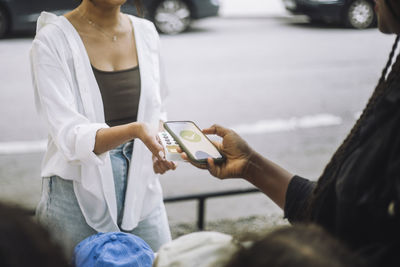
(172, 16)
(4, 22)
(360, 14)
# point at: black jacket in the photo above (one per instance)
(362, 206)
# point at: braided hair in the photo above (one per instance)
(326, 182)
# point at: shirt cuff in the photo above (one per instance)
(297, 198)
(85, 144)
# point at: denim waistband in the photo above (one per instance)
(123, 148)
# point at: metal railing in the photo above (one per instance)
(201, 198)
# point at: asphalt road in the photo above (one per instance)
(293, 90)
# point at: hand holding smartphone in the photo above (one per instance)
(193, 142)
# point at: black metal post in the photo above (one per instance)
(200, 213)
(202, 197)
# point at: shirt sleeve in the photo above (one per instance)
(298, 193)
(72, 132)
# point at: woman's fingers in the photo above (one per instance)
(158, 166)
(162, 166)
(184, 156)
(157, 169)
(155, 147)
(168, 165)
(218, 145)
(216, 129)
(150, 140)
(214, 169)
(198, 165)
(153, 143)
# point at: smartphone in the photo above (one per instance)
(193, 142)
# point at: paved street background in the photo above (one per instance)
(292, 89)
(252, 8)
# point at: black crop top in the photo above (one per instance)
(120, 91)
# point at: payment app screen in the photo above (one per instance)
(194, 140)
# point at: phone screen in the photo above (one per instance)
(191, 139)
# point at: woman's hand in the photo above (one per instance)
(148, 137)
(160, 164)
(236, 151)
(243, 162)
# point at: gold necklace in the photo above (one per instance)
(113, 38)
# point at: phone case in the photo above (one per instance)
(191, 157)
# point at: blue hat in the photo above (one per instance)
(115, 249)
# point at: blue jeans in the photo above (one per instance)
(59, 211)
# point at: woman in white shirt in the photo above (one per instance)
(99, 87)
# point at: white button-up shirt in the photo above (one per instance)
(68, 98)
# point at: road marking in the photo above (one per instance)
(260, 127)
(285, 125)
(23, 147)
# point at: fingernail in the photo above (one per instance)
(161, 154)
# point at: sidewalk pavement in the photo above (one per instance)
(239, 228)
(252, 8)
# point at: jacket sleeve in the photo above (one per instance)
(297, 195)
(72, 132)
